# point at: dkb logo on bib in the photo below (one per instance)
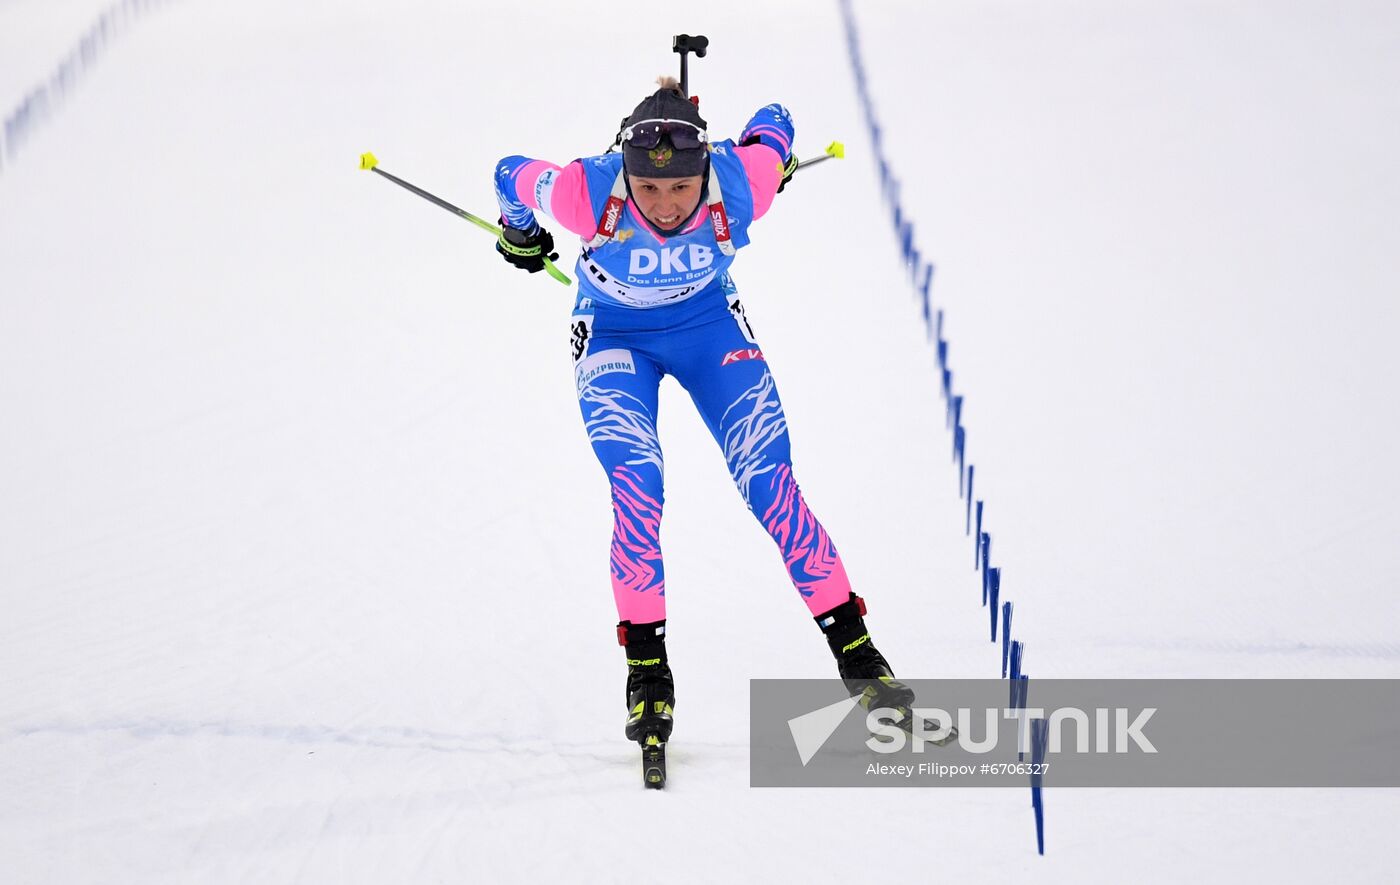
(671, 260)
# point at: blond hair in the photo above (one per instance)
(666, 81)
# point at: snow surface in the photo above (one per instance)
(303, 552)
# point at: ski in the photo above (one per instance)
(906, 725)
(653, 762)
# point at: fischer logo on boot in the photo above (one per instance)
(857, 644)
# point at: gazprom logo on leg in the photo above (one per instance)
(601, 363)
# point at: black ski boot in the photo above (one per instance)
(651, 693)
(866, 672)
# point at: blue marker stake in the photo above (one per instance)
(994, 583)
(1005, 635)
(977, 540)
(967, 519)
(924, 290)
(960, 449)
(928, 322)
(1024, 682)
(1040, 737)
(986, 563)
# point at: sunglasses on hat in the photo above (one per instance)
(648, 134)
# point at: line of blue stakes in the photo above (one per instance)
(921, 277)
(43, 100)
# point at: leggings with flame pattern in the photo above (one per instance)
(706, 343)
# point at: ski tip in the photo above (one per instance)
(368, 161)
(836, 149)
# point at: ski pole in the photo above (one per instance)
(370, 163)
(834, 151)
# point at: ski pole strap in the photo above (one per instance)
(522, 251)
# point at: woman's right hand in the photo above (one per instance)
(526, 250)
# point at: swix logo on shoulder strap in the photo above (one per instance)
(720, 222)
(612, 214)
(719, 219)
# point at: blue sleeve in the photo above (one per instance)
(772, 126)
(515, 213)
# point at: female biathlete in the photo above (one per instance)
(660, 222)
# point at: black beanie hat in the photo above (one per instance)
(664, 160)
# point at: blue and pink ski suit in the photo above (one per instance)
(653, 303)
